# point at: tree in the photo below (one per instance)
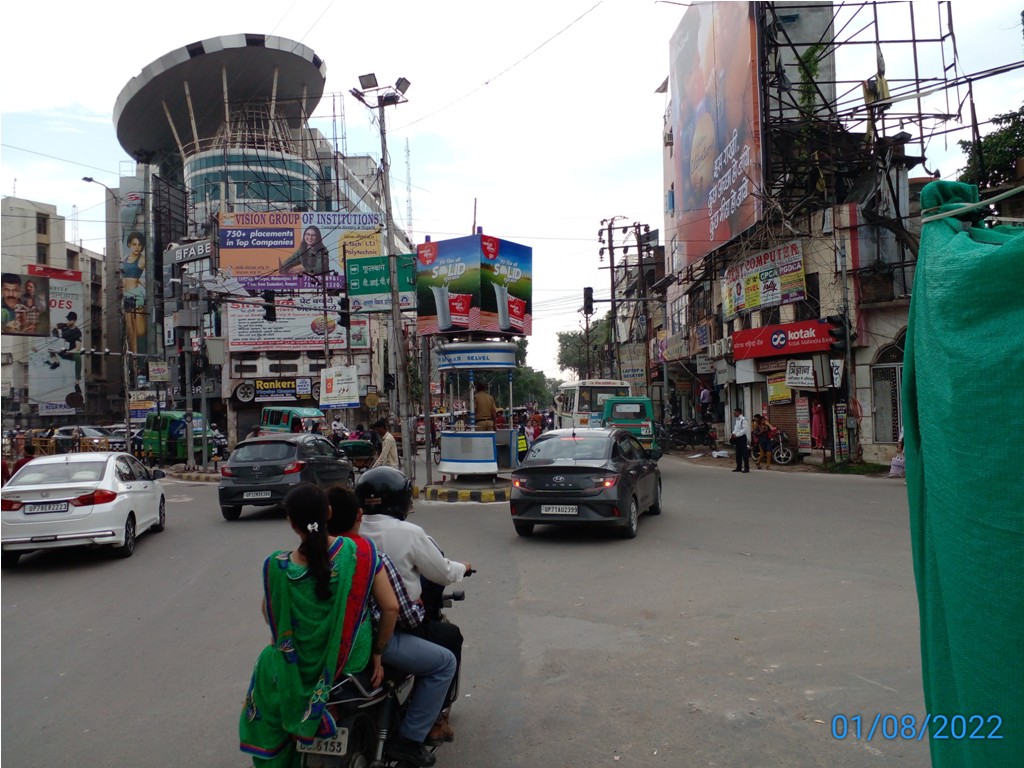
(1001, 149)
(573, 345)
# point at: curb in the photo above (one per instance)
(194, 477)
(445, 493)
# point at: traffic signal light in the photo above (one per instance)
(269, 311)
(588, 301)
(839, 332)
(344, 318)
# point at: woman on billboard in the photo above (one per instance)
(133, 285)
(311, 256)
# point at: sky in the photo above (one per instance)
(534, 119)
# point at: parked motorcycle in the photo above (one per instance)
(780, 449)
(365, 717)
(693, 433)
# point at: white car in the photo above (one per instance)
(100, 498)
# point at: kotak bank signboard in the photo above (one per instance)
(782, 340)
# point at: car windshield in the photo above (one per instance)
(54, 473)
(582, 447)
(94, 432)
(264, 451)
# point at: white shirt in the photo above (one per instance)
(739, 428)
(388, 452)
(412, 551)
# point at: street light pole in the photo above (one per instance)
(386, 96)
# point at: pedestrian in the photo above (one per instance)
(522, 442)
(705, 402)
(336, 429)
(817, 425)
(254, 432)
(762, 435)
(739, 439)
(388, 456)
(30, 453)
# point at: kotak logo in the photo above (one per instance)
(778, 339)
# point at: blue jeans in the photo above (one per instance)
(434, 668)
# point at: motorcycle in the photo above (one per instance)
(365, 717)
(780, 450)
(693, 433)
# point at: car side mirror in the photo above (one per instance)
(654, 453)
(156, 474)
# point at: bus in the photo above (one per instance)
(581, 403)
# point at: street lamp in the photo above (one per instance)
(386, 96)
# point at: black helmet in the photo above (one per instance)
(385, 491)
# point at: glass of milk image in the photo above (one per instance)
(501, 297)
(444, 312)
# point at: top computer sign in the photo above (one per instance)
(716, 127)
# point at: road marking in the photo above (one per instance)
(179, 499)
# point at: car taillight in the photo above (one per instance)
(606, 481)
(295, 466)
(10, 505)
(226, 472)
(519, 481)
(99, 496)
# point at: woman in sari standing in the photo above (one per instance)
(316, 602)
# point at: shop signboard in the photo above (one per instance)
(765, 279)
(298, 388)
(803, 423)
(474, 283)
(802, 337)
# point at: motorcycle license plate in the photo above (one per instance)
(559, 509)
(256, 495)
(334, 746)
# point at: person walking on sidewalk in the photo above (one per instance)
(739, 440)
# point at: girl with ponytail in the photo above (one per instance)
(315, 599)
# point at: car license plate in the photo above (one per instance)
(35, 509)
(559, 509)
(336, 746)
(256, 495)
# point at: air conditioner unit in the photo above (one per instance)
(717, 349)
(727, 346)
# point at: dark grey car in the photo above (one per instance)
(262, 470)
(586, 477)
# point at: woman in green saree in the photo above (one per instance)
(315, 601)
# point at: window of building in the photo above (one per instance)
(886, 384)
(771, 316)
(42, 224)
(42, 254)
(72, 260)
(810, 307)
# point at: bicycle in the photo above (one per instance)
(435, 448)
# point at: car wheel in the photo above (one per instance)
(161, 517)
(656, 506)
(9, 559)
(629, 530)
(231, 513)
(783, 455)
(128, 548)
(523, 529)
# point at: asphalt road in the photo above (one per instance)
(728, 633)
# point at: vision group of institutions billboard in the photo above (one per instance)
(716, 126)
(474, 283)
(51, 308)
(278, 250)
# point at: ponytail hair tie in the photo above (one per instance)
(312, 527)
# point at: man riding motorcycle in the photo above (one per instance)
(386, 498)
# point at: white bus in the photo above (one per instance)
(581, 403)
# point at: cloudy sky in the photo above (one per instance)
(543, 115)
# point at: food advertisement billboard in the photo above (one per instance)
(474, 283)
(301, 324)
(716, 126)
(281, 250)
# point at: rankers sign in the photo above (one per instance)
(783, 340)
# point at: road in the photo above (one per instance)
(728, 633)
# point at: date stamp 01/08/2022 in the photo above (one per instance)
(889, 727)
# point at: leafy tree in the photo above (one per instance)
(1000, 151)
(573, 346)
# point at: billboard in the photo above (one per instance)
(55, 363)
(278, 250)
(475, 283)
(716, 126)
(136, 277)
(339, 387)
(301, 325)
(25, 310)
(765, 279)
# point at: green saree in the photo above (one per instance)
(313, 641)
